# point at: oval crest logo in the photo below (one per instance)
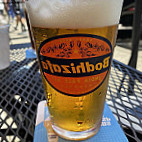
(75, 64)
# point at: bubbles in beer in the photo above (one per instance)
(49, 96)
(74, 13)
(79, 123)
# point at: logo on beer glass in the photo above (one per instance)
(75, 64)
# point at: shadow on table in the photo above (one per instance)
(19, 46)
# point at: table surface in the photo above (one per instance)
(21, 90)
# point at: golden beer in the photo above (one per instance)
(75, 66)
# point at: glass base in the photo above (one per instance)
(71, 135)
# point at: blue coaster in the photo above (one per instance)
(110, 130)
(30, 54)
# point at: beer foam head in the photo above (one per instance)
(74, 13)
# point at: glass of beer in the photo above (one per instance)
(74, 42)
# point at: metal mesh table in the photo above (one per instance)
(21, 90)
(125, 99)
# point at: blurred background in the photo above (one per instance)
(128, 48)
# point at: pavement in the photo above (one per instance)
(121, 53)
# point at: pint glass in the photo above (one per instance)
(74, 42)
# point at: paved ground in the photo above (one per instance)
(121, 54)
